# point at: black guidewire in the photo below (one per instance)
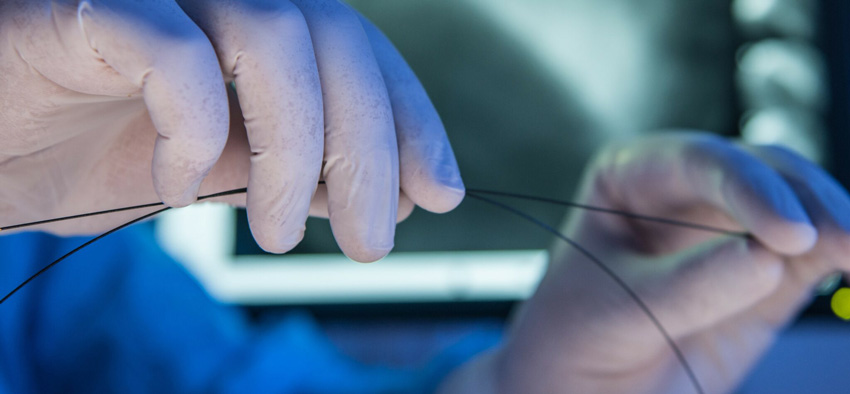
(631, 215)
(77, 249)
(588, 207)
(473, 193)
(123, 209)
(610, 273)
(99, 237)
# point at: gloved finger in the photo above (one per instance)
(704, 285)
(265, 47)
(825, 201)
(405, 207)
(704, 170)
(361, 152)
(319, 205)
(791, 296)
(161, 50)
(428, 171)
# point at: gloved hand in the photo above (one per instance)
(106, 104)
(721, 298)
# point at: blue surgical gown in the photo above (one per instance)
(122, 317)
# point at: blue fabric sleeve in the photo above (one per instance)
(122, 316)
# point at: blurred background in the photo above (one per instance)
(528, 90)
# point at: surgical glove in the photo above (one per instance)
(721, 298)
(114, 103)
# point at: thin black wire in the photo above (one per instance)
(104, 212)
(77, 249)
(244, 190)
(474, 193)
(95, 239)
(620, 282)
(571, 204)
(632, 215)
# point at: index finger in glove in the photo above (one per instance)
(157, 47)
(428, 171)
(666, 172)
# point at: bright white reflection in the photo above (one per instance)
(790, 18)
(753, 10)
(781, 72)
(798, 130)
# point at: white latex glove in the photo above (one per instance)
(110, 103)
(721, 298)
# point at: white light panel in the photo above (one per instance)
(202, 237)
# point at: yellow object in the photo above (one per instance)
(841, 303)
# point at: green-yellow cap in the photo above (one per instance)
(841, 303)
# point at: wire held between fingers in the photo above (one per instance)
(611, 211)
(115, 210)
(618, 212)
(123, 209)
(611, 274)
(99, 237)
(473, 193)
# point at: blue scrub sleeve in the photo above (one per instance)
(123, 317)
